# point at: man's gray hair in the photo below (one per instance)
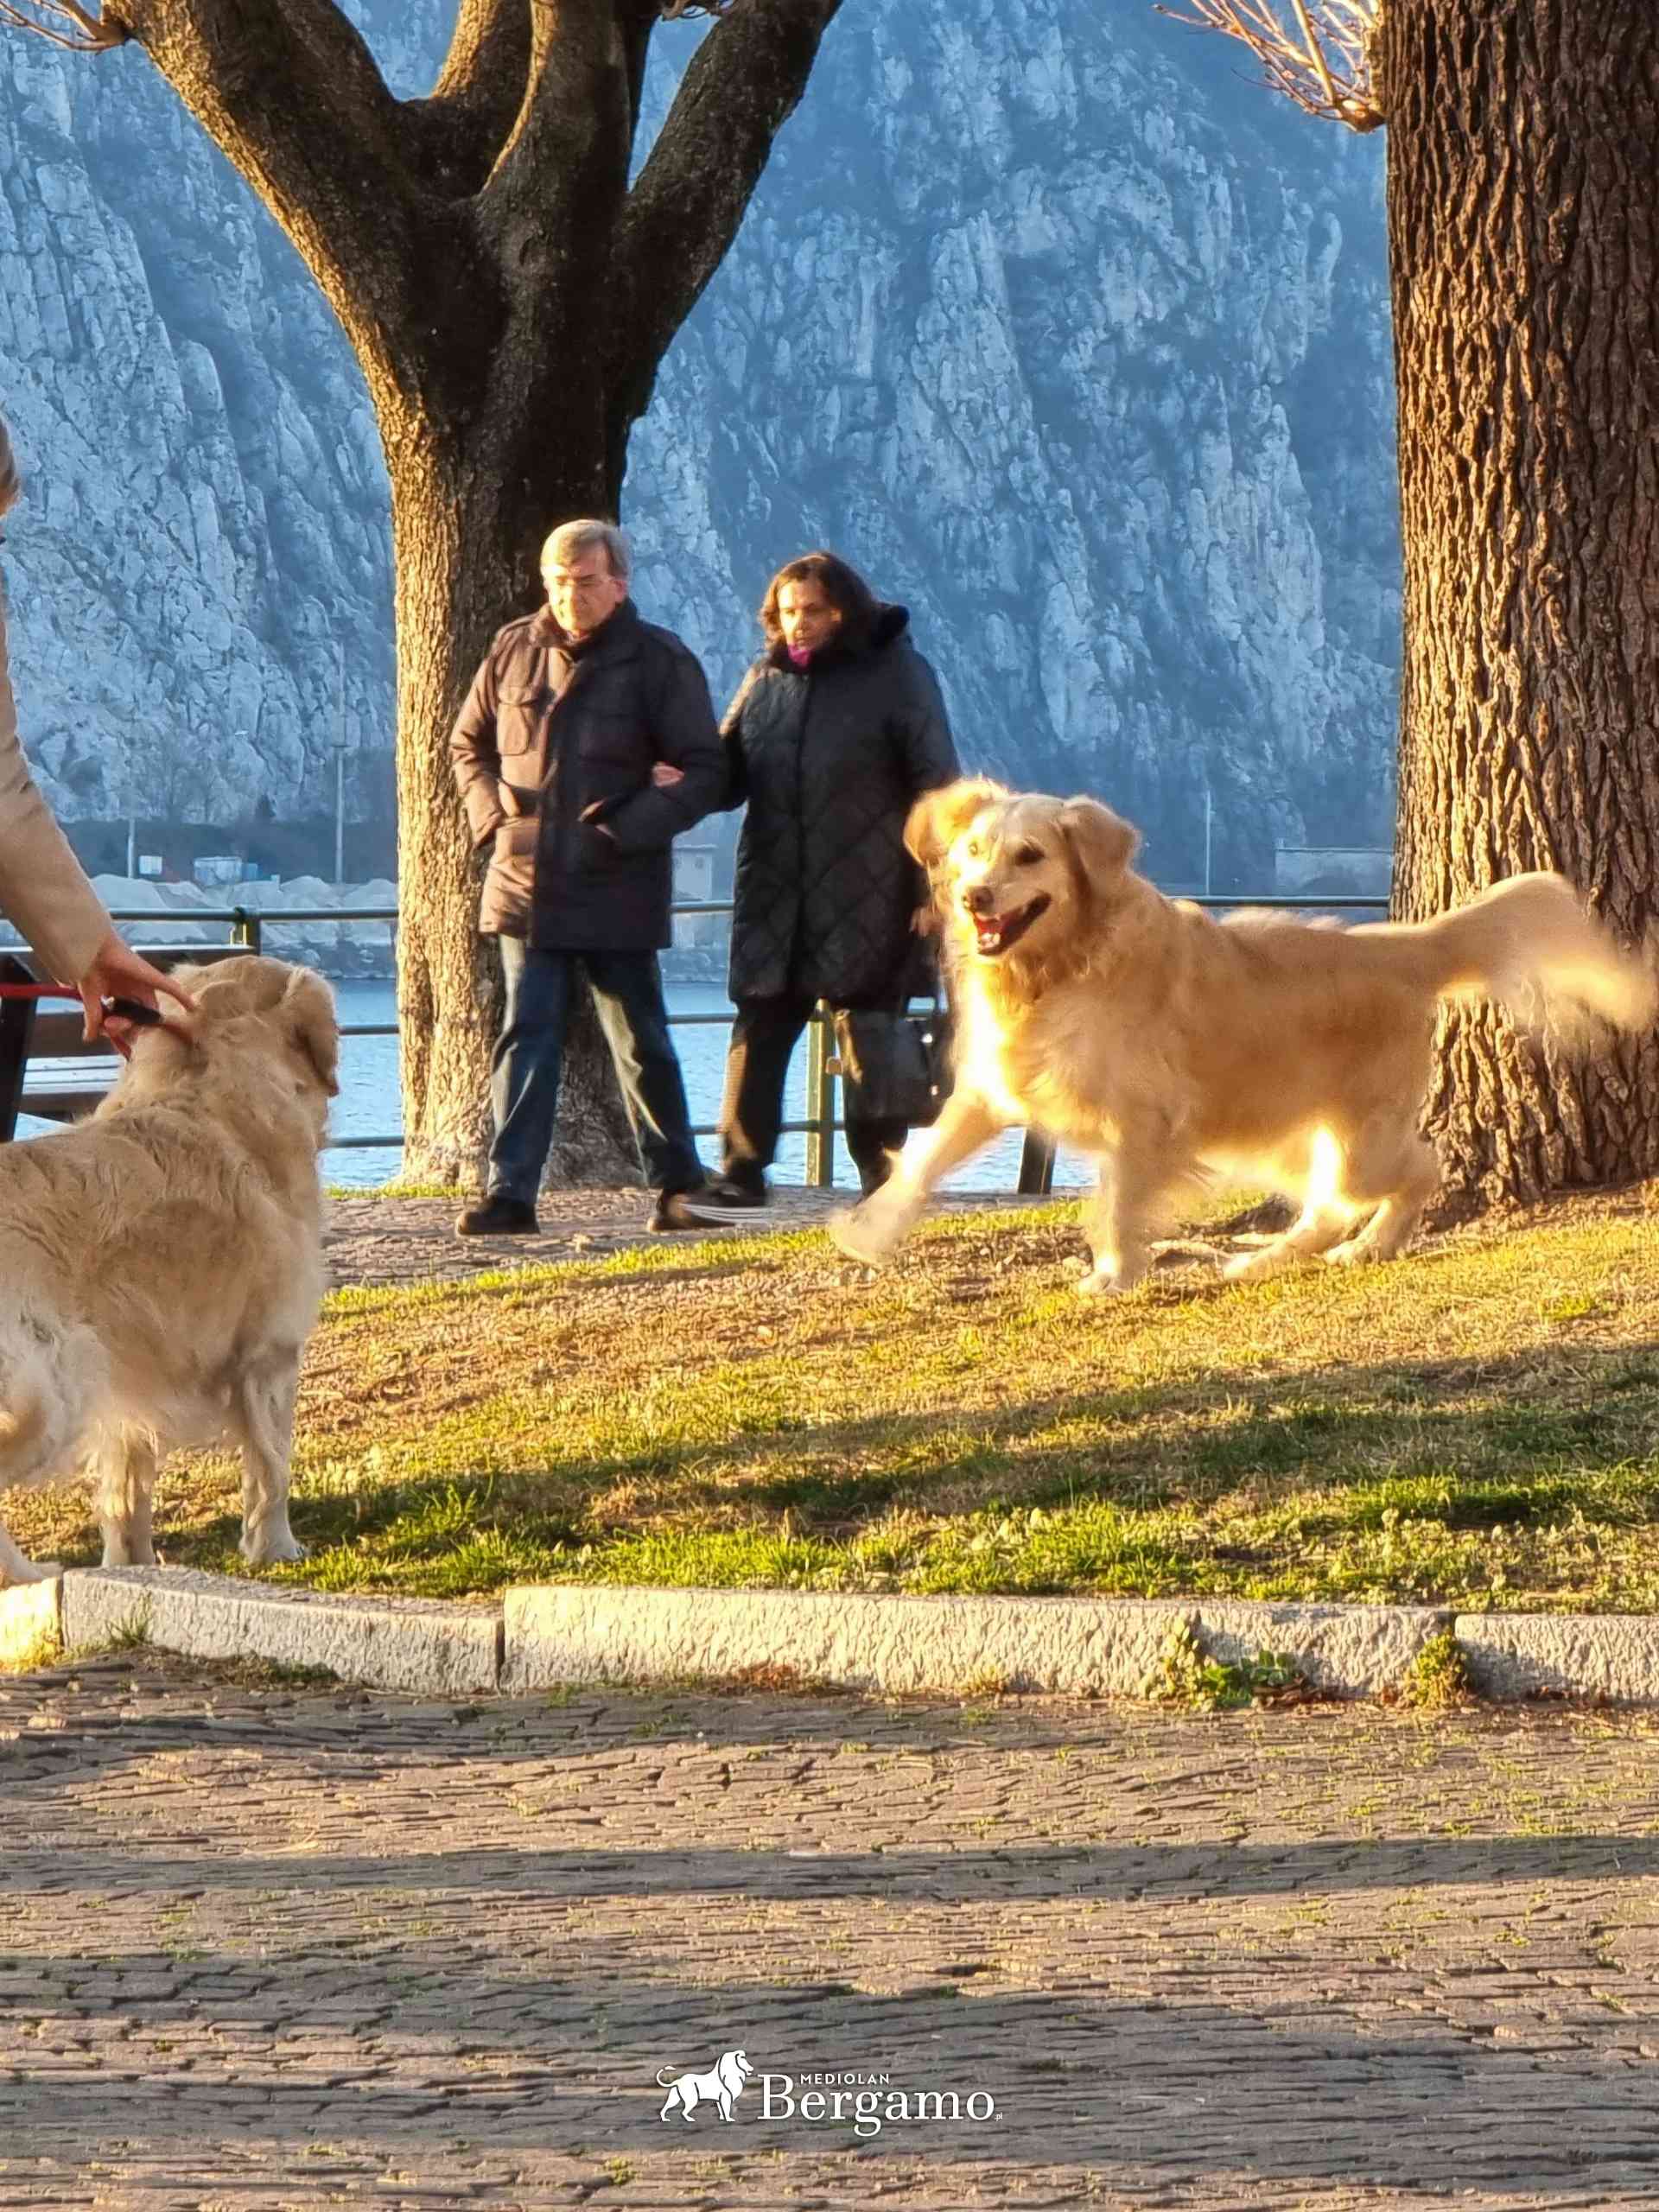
(571, 539)
(11, 482)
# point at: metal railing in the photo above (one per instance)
(247, 926)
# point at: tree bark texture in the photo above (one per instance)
(449, 996)
(509, 297)
(1523, 224)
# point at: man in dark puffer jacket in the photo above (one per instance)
(838, 728)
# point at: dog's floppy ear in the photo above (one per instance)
(307, 1009)
(1102, 843)
(939, 817)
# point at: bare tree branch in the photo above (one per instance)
(742, 85)
(1323, 61)
(640, 19)
(290, 92)
(486, 34)
(561, 175)
(460, 129)
(452, 138)
(88, 35)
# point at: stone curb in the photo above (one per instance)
(1350, 1650)
(1075, 1647)
(1615, 1655)
(393, 1643)
(546, 1636)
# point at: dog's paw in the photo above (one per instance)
(869, 1235)
(1110, 1282)
(123, 1553)
(1261, 1267)
(281, 1548)
(1355, 1253)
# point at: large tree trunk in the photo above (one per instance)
(1523, 223)
(462, 570)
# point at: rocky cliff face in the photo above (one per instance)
(1046, 315)
(204, 528)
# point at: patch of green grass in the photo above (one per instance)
(130, 1635)
(1187, 1675)
(1475, 1425)
(1439, 1675)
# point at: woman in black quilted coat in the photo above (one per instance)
(838, 728)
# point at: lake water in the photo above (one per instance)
(368, 1101)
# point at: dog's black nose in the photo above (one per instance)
(978, 899)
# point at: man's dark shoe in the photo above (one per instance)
(725, 1194)
(676, 1209)
(497, 1216)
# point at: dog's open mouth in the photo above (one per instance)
(995, 933)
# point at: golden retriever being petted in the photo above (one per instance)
(1178, 1050)
(160, 1265)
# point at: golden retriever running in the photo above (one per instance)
(1174, 1047)
(161, 1264)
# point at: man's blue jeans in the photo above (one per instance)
(628, 989)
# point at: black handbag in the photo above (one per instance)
(894, 1067)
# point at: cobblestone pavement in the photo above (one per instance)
(413, 1240)
(273, 1944)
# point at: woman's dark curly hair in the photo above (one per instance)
(844, 588)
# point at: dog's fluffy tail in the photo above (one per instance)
(1532, 933)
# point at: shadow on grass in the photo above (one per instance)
(1146, 1491)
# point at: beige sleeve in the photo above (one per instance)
(43, 887)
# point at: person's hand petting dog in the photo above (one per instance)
(118, 972)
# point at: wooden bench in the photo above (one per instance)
(45, 1066)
